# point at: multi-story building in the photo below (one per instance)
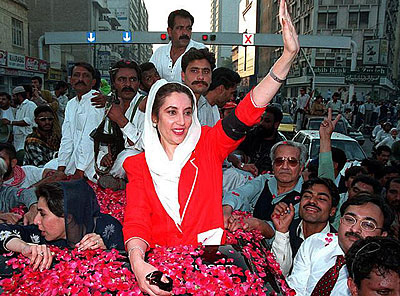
(371, 24)
(16, 64)
(224, 18)
(74, 15)
(133, 16)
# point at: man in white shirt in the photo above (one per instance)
(60, 94)
(76, 154)
(319, 199)
(24, 118)
(7, 112)
(384, 133)
(167, 58)
(335, 104)
(125, 78)
(303, 101)
(321, 256)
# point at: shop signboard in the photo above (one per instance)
(31, 64)
(16, 61)
(3, 58)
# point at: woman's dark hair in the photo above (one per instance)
(364, 198)
(332, 188)
(165, 91)
(374, 252)
(54, 196)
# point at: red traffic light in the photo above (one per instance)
(163, 36)
(204, 37)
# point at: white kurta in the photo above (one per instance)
(77, 149)
(24, 112)
(161, 58)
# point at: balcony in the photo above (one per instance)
(101, 5)
(104, 26)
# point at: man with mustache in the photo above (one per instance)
(125, 77)
(261, 194)
(167, 58)
(76, 154)
(318, 268)
(319, 199)
(42, 145)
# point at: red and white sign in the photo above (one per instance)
(43, 66)
(31, 64)
(248, 39)
(3, 58)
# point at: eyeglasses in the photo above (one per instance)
(45, 118)
(366, 225)
(292, 161)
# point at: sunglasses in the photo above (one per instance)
(292, 161)
(45, 118)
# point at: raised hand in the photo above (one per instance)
(290, 39)
(282, 216)
(328, 125)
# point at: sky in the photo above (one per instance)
(159, 10)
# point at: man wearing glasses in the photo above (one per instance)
(318, 267)
(261, 194)
(43, 143)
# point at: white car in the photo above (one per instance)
(350, 146)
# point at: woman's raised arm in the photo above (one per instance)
(269, 86)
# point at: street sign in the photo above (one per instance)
(361, 78)
(214, 38)
(248, 39)
(91, 37)
(127, 37)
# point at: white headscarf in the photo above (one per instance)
(165, 172)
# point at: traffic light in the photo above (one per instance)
(163, 36)
(205, 37)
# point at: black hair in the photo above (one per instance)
(166, 90)
(61, 84)
(369, 181)
(389, 169)
(197, 54)
(9, 149)
(4, 94)
(278, 115)
(125, 64)
(147, 66)
(38, 78)
(328, 183)
(373, 253)
(43, 108)
(354, 171)
(224, 76)
(374, 167)
(179, 12)
(96, 86)
(336, 94)
(28, 90)
(87, 66)
(339, 157)
(390, 181)
(383, 148)
(54, 197)
(364, 198)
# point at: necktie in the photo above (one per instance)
(326, 283)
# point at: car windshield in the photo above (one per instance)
(315, 123)
(352, 149)
(287, 119)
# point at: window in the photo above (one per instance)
(321, 20)
(364, 20)
(327, 20)
(353, 20)
(332, 20)
(17, 32)
(358, 20)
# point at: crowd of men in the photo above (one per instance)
(317, 218)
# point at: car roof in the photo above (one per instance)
(312, 134)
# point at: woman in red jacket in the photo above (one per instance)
(175, 187)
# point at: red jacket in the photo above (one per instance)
(201, 181)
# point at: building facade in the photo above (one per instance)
(132, 16)
(224, 18)
(74, 15)
(17, 65)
